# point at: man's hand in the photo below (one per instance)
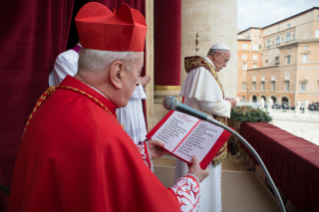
(196, 170)
(156, 148)
(233, 102)
(145, 80)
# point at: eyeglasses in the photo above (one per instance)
(225, 60)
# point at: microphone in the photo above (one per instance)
(171, 103)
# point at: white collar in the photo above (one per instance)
(206, 58)
(79, 45)
(96, 90)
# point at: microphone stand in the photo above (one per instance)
(253, 151)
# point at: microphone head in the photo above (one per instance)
(170, 103)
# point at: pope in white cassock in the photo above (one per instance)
(202, 91)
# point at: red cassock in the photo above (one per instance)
(75, 156)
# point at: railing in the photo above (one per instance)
(300, 122)
(293, 162)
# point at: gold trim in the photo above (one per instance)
(167, 87)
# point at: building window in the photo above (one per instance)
(262, 77)
(254, 78)
(289, 50)
(303, 86)
(259, 46)
(243, 99)
(244, 57)
(287, 86)
(317, 17)
(288, 26)
(263, 86)
(283, 39)
(273, 84)
(305, 47)
(304, 58)
(255, 47)
(317, 34)
(278, 40)
(287, 60)
(245, 46)
(254, 86)
(278, 29)
(268, 42)
(272, 77)
(277, 58)
(244, 66)
(243, 86)
(287, 76)
(255, 65)
(288, 37)
(268, 33)
(273, 43)
(293, 37)
(266, 61)
(255, 57)
(254, 98)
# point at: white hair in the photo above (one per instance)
(96, 60)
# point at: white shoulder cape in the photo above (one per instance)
(202, 86)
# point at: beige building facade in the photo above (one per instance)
(289, 62)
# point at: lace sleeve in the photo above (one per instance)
(187, 191)
(144, 151)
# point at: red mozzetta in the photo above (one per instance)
(75, 156)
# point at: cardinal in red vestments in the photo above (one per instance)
(74, 155)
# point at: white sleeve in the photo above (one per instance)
(219, 108)
(65, 64)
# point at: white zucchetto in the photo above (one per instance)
(220, 46)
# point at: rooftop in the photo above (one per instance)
(249, 29)
(313, 8)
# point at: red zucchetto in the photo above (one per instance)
(101, 29)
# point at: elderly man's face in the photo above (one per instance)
(132, 77)
(221, 60)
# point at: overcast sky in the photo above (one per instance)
(261, 13)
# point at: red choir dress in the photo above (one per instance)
(75, 156)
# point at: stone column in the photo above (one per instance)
(149, 16)
(216, 22)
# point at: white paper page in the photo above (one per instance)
(175, 129)
(199, 141)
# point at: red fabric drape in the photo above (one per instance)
(292, 162)
(33, 33)
(167, 39)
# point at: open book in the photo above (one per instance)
(185, 136)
